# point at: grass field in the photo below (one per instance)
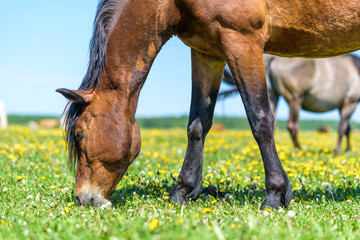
(37, 190)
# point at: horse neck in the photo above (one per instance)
(140, 31)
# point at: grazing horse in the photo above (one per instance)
(102, 133)
(315, 85)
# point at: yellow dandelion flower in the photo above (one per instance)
(154, 223)
(43, 178)
(66, 209)
(70, 204)
(206, 210)
(4, 223)
(120, 217)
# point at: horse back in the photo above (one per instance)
(309, 28)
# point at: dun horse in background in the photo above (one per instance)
(102, 133)
(315, 85)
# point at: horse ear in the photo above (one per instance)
(77, 96)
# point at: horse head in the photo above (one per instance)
(101, 141)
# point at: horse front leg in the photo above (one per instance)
(243, 54)
(207, 73)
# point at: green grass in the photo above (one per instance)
(37, 190)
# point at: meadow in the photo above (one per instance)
(37, 190)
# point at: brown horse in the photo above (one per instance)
(102, 133)
(315, 85)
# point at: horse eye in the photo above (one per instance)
(79, 135)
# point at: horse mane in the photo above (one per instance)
(104, 15)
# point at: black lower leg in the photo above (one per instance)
(207, 73)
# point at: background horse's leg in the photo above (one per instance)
(344, 127)
(206, 78)
(244, 57)
(347, 133)
(293, 122)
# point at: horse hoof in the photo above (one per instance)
(281, 199)
(177, 198)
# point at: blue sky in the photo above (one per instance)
(44, 46)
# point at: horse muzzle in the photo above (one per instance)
(92, 199)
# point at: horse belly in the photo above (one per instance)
(322, 101)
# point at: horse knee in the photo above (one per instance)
(195, 130)
(292, 126)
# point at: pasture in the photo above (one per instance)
(37, 190)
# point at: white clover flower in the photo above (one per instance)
(291, 214)
(325, 184)
(266, 213)
(5, 190)
(29, 197)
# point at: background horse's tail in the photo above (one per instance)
(356, 61)
(228, 78)
(272, 92)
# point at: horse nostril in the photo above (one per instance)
(92, 202)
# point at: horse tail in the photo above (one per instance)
(273, 93)
(229, 79)
(356, 61)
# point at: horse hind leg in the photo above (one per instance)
(244, 57)
(344, 126)
(206, 78)
(347, 133)
(293, 122)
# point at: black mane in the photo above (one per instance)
(104, 14)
